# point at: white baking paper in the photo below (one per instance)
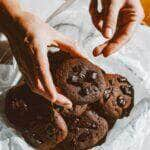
(132, 61)
(41, 8)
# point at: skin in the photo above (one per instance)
(117, 21)
(29, 38)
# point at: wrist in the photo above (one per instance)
(9, 10)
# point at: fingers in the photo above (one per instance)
(119, 26)
(98, 50)
(122, 37)
(93, 7)
(60, 99)
(67, 45)
(45, 83)
(10, 7)
(63, 101)
(44, 73)
(110, 19)
(96, 16)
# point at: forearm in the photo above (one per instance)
(9, 10)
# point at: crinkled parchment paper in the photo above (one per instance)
(132, 61)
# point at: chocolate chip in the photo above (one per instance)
(92, 125)
(76, 121)
(73, 79)
(82, 75)
(32, 139)
(92, 75)
(38, 141)
(103, 71)
(107, 94)
(122, 79)
(121, 101)
(95, 89)
(127, 89)
(84, 91)
(84, 136)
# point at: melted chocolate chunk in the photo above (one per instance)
(77, 76)
(88, 90)
(91, 75)
(122, 79)
(121, 101)
(84, 91)
(92, 125)
(73, 79)
(82, 76)
(95, 89)
(127, 89)
(94, 76)
(107, 94)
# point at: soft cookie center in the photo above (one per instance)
(85, 79)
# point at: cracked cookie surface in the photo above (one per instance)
(84, 131)
(118, 98)
(80, 80)
(31, 114)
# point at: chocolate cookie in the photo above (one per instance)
(101, 112)
(76, 110)
(35, 118)
(118, 98)
(57, 58)
(84, 131)
(80, 80)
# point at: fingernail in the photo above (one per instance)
(68, 105)
(95, 53)
(99, 49)
(108, 33)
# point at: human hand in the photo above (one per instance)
(30, 38)
(117, 21)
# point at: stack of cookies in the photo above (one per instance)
(99, 99)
